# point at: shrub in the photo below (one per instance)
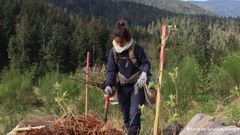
(226, 76)
(16, 87)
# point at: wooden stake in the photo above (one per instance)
(158, 101)
(87, 78)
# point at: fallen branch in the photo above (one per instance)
(28, 128)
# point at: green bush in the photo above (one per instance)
(226, 76)
(16, 87)
(46, 91)
(220, 81)
(186, 81)
(231, 65)
(46, 84)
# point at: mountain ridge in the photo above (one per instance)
(112, 10)
(174, 6)
(227, 8)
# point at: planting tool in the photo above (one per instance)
(106, 108)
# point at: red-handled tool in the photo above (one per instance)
(106, 108)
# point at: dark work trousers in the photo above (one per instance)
(129, 105)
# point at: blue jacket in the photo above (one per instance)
(126, 66)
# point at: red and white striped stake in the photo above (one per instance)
(87, 69)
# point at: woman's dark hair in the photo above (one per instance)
(122, 30)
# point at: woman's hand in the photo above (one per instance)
(141, 82)
(108, 90)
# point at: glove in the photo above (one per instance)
(108, 90)
(141, 82)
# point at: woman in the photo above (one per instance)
(129, 67)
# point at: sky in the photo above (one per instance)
(201, 0)
(194, 0)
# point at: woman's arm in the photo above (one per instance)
(142, 59)
(112, 69)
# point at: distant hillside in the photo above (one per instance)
(221, 7)
(138, 13)
(135, 13)
(174, 6)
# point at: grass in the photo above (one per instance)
(16, 85)
(233, 113)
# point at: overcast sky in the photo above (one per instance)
(201, 0)
(193, 0)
